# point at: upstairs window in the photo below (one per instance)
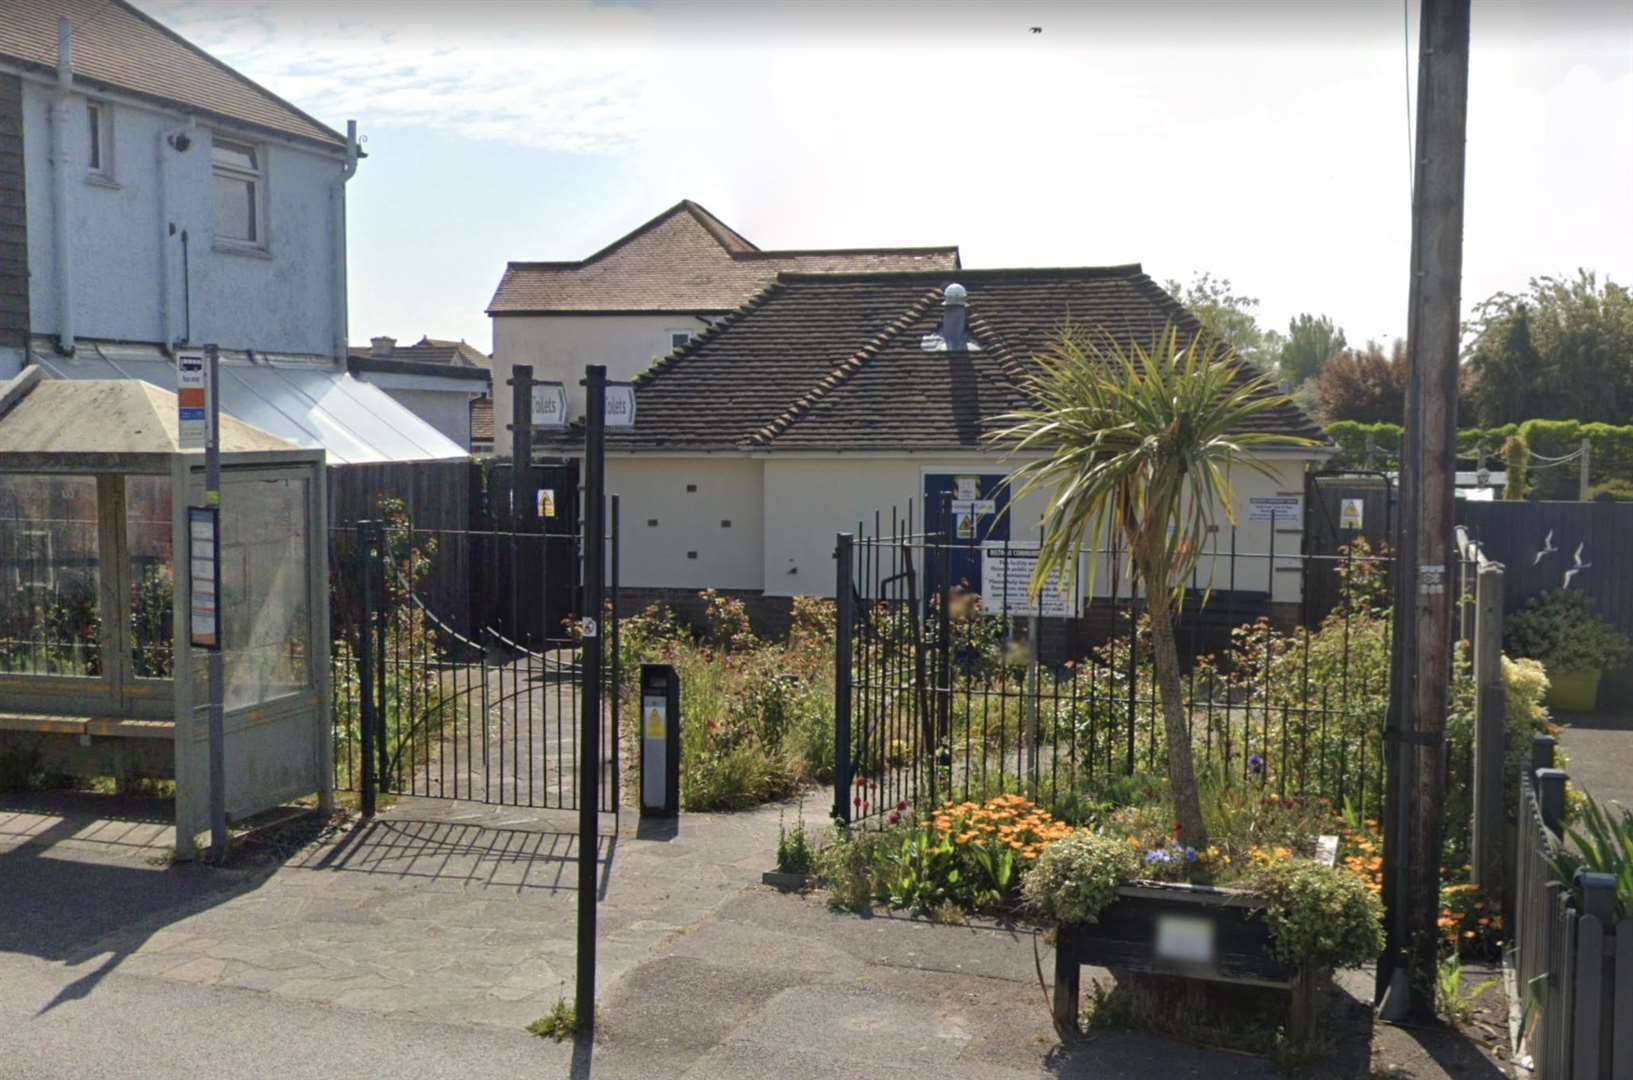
(99, 152)
(678, 339)
(238, 191)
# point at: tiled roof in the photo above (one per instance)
(482, 420)
(834, 361)
(427, 350)
(116, 46)
(683, 260)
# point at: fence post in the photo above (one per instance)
(1551, 797)
(1542, 753)
(1490, 731)
(365, 664)
(1593, 990)
(844, 619)
(1584, 481)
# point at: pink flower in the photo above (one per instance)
(866, 807)
(895, 818)
(901, 807)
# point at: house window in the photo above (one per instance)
(238, 191)
(99, 152)
(678, 339)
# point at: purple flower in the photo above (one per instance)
(1255, 764)
(1190, 854)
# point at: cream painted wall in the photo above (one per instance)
(785, 512)
(559, 347)
(809, 500)
(657, 556)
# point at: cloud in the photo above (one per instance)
(566, 77)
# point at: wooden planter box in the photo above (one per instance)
(1185, 931)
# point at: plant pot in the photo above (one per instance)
(1185, 931)
(786, 882)
(1573, 691)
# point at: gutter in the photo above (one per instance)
(61, 206)
(337, 205)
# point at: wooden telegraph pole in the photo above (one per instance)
(1423, 598)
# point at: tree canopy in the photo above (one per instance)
(1230, 317)
(1561, 350)
(1311, 341)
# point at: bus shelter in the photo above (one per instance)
(99, 676)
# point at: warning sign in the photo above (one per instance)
(655, 726)
(1351, 513)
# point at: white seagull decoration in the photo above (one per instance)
(1547, 548)
(1577, 569)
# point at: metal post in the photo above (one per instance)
(1490, 731)
(215, 662)
(521, 446)
(844, 619)
(1542, 752)
(589, 765)
(366, 533)
(1421, 664)
(1034, 635)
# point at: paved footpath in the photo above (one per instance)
(423, 943)
(1600, 748)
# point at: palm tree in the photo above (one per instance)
(1140, 444)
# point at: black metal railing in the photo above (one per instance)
(953, 683)
(474, 714)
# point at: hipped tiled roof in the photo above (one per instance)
(116, 46)
(685, 260)
(835, 361)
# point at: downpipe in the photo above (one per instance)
(61, 205)
(337, 205)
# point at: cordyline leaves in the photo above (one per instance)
(1139, 443)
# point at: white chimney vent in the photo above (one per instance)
(953, 336)
(382, 346)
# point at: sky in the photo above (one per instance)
(1263, 142)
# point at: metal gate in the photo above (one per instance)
(426, 708)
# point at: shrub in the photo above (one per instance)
(1076, 878)
(1562, 629)
(1319, 914)
(727, 619)
(794, 852)
(1613, 490)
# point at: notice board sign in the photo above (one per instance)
(1286, 509)
(192, 401)
(1006, 583)
(204, 544)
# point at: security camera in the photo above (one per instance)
(181, 141)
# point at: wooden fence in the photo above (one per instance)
(1572, 960)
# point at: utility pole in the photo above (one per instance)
(1421, 660)
(589, 761)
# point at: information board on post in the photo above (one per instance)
(549, 405)
(192, 401)
(204, 561)
(1006, 583)
(620, 411)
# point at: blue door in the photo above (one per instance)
(975, 504)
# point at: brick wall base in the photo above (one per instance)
(768, 615)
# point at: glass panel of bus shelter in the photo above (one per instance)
(152, 576)
(50, 576)
(265, 597)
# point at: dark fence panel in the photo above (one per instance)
(1516, 533)
(435, 495)
(1572, 957)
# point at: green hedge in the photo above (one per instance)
(1612, 454)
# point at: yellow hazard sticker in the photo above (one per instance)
(654, 724)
